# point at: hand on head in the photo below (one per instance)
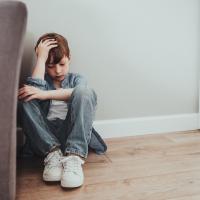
(43, 48)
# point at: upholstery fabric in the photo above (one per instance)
(13, 19)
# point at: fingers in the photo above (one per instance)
(50, 43)
(30, 98)
(24, 95)
(47, 42)
(52, 46)
(25, 91)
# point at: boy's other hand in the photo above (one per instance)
(28, 93)
(42, 50)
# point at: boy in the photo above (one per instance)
(58, 109)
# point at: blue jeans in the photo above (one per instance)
(71, 135)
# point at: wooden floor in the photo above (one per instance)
(150, 167)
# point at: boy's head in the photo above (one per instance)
(56, 53)
(57, 63)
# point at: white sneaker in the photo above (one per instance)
(53, 166)
(72, 175)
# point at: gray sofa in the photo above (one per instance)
(13, 18)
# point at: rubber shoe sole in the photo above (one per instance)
(55, 178)
(71, 185)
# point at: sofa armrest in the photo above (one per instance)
(13, 18)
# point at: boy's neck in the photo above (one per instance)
(57, 84)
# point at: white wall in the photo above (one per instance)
(141, 56)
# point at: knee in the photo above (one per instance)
(27, 105)
(82, 92)
(22, 104)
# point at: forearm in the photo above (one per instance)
(60, 94)
(39, 69)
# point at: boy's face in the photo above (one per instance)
(58, 71)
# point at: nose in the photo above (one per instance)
(58, 69)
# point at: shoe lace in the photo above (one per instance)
(71, 163)
(52, 160)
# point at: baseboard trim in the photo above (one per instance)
(147, 125)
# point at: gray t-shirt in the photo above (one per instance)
(58, 109)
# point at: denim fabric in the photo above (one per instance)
(75, 134)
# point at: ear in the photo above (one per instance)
(69, 58)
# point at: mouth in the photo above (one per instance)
(60, 77)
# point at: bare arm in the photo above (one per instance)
(39, 69)
(28, 93)
(60, 94)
